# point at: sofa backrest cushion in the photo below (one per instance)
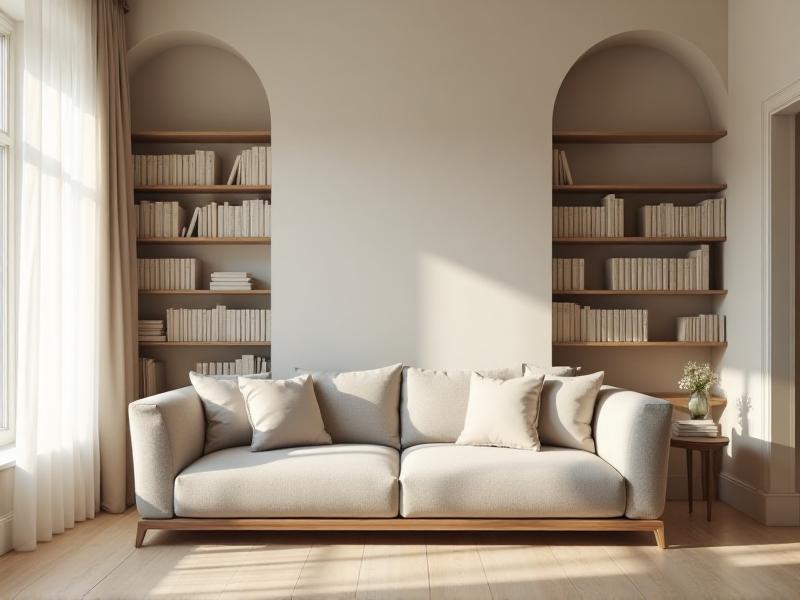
(226, 415)
(567, 409)
(360, 407)
(433, 404)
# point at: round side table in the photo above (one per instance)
(710, 449)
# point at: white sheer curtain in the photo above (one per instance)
(57, 471)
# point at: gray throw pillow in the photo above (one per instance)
(283, 413)
(226, 416)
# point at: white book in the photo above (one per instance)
(262, 165)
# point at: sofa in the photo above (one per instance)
(402, 470)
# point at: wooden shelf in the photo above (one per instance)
(202, 189)
(639, 292)
(209, 344)
(235, 241)
(664, 344)
(640, 188)
(681, 399)
(636, 240)
(611, 136)
(243, 137)
(205, 292)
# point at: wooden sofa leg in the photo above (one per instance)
(141, 530)
(661, 539)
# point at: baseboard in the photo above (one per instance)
(5, 533)
(770, 508)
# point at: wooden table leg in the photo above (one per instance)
(717, 470)
(709, 483)
(689, 475)
(704, 473)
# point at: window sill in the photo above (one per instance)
(8, 456)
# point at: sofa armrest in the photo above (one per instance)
(632, 433)
(167, 434)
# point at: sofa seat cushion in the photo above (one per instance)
(341, 480)
(445, 480)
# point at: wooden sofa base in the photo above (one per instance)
(402, 524)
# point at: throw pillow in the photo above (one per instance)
(557, 371)
(360, 407)
(567, 409)
(223, 405)
(283, 413)
(502, 412)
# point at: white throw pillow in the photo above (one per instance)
(567, 409)
(283, 413)
(502, 412)
(226, 416)
(555, 370)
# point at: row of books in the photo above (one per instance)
(705, 219)
(702, 328)
(690, 273)
(151, 377)
(562, 175)
(574, 323)
(219, 324)
(152, 330)
(159, 219)
(252, 167)
(231, 280)
(695, 428)
(606, 220)
(199, 168)
(168, 273)
(246, 365)
(568, 274)
(250, 219)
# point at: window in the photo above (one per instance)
(6, 230)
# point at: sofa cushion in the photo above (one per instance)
(347, 480)
(445, 480)
(283, 413)
(360, 407)
(225, 412)
(567, 409)
(433, 404)
(502, 412)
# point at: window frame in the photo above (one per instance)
(8, 239)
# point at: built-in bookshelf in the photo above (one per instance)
(231, 254)
(597, 253)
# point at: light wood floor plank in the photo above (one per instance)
(267, 572)
(594, 573)
(330, 571)
(456, 573)
(393, 572)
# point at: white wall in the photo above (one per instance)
(412, 164)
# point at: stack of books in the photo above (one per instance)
(695, 428)
(200, 168)
(219, 324)
(606, 220)
(690, 273)
(249, 219)
(247, 365)
(167, 273)
(231, 280)
(706, 219)
(252, 167)
(152, 330)
(561, 171)
(702, 328)
(159, 219)
(151, 377)
(568, 274)
(574, 323)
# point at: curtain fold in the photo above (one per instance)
(75, 348)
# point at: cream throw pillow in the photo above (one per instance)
(226, 416)
(283, 413)
(502, 412)
(567, 409)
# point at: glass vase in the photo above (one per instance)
(698, 405)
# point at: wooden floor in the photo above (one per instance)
(731, 557)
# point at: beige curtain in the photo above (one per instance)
(117, 301)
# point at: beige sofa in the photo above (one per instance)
(418, 479)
